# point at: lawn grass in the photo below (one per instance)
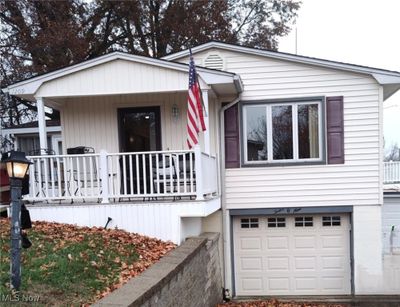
(69, 265)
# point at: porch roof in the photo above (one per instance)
(122, 73)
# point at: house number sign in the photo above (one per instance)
(17, 91)
(286, 210)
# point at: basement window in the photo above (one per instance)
(249, 223)
(303, 221)
(331, 221)
(274, 222)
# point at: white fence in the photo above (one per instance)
(391, 172)
(116, 176)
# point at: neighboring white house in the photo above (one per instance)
(290, 168)
(25, 137)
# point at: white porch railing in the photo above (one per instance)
(391, 172)
(116, 176)
(209, 181)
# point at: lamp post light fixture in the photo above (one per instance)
(17, 167)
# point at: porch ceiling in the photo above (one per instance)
(120, 73)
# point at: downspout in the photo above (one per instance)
(225, 231)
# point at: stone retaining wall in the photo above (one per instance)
(190, 275)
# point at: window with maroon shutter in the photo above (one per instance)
(283, 131)
(334, 130)
(232, 157)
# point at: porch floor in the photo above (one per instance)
(122, 200)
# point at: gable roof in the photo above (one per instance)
(389, 79)
(27, 88)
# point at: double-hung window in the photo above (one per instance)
(283, 132)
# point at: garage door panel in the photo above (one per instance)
(305, 283)
(305, 241)
(278, 242)
(332, 262)
(252, 284)
(305, 263)
(333, 283)
(251, 264)
(332, 241)
(278, 284)
(293, 259)
(278, 263)
(250, 243)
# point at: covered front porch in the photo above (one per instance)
(125, 158)
(123, 121)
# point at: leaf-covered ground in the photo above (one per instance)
(70, 265)
(277, 303)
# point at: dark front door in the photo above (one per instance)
(139, 129)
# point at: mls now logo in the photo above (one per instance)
(19, 298)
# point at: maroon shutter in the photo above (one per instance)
(232, 157)
(334, 130)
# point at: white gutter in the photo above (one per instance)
(225, 219)
(29, 130)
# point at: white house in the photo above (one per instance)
(25, 137)
(289, 170)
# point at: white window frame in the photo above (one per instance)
(295, 136)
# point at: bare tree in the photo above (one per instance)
(40, 36)
(392, 153)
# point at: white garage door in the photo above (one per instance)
(292, 255)
(391, 224)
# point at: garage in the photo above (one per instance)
(391, 223)
(292, 254)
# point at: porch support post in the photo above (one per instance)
(41, 122)
(204, 94)
(104, 177)
(199, 173)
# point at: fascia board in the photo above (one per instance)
(376, 73)
(30, 86)
(386, 79)
(211, 78)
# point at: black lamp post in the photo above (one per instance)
(17, 167)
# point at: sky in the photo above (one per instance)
(364, 32)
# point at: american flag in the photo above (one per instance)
(195, 107)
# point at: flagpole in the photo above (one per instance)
(197, 104)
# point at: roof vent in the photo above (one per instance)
(214, 61)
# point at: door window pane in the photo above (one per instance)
(308, 139)
(256, 132)
(139, 128)
(282, 132)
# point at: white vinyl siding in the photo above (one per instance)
(357, 182)
(116, 77)
(93, 121)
